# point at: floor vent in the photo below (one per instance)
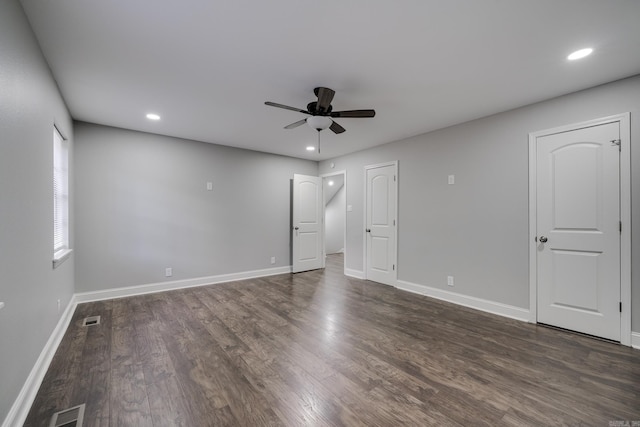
(90, 321)
(71, 417)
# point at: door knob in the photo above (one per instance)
(543, 239)
(368, 230)
(296, 228)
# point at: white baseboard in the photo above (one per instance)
(467, 301)
(354, 273)
(20, 409)
(635, 340)
(177, 284)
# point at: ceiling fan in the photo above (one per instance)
(321, 112)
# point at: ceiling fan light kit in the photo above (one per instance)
(319, 122)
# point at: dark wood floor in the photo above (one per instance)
(319, 348)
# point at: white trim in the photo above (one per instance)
(533, 229)
(59, 129)
(177, 284)
(492, 307)
(354, 273)
(625, 215)
(344, 238)
(625, 237)
(393, 163)
(635, 340)
(61, 256)
(20, 409)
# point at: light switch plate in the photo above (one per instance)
(452, 179)
(349, 208)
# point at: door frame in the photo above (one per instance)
(344, 237)
(393, 163)
(625, 216)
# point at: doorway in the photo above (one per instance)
(579, 227)
(335, 213)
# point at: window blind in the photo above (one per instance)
(60, 193)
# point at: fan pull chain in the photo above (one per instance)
(318, 142)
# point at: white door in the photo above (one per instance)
(578, 230)
(308, 211)
(381, 197)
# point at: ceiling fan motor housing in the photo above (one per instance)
(312, 108)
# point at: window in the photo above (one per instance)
(61, 250)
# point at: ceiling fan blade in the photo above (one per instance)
(353, 113)
(296, 124)
(325, 96)
(336, 128)
(286, 107)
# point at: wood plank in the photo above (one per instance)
(167, 403)
(129, 401)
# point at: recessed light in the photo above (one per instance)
(330, 183)
(578, 54)
(311, 148)
(152, 116)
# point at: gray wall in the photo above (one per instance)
(477, 229)
(29, 105)
(142, 205)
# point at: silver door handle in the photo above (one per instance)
(543, 239)
(296, 228)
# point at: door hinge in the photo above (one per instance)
(394, 267)
(394, 222)
(620, 222)
(620, 306)
(617, 142)
(394, 178)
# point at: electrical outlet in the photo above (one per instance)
(168, 272)
(273, 260)
(210, 186)
(450, 280)
(451, 179)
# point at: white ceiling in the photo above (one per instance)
(208, 66)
